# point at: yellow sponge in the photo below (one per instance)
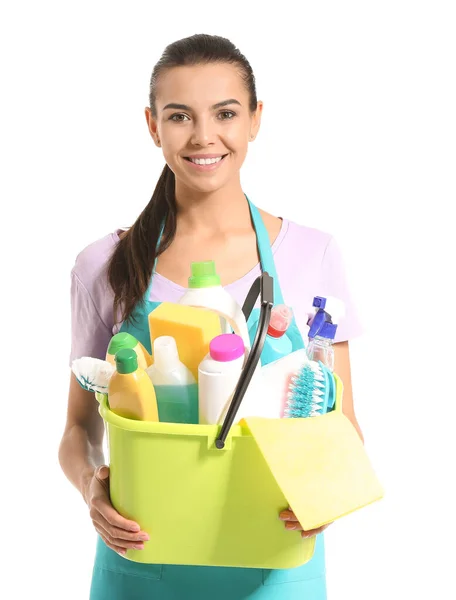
(192, 328)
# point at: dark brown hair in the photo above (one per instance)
(130, 267)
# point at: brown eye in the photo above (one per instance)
(177, 115)
(228, 112)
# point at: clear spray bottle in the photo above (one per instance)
(323, 327)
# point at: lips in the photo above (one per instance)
(205, 157)
(207, 167)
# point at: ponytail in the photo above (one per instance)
(130, 267)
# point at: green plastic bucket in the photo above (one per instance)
(199, 505)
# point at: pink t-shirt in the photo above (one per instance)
(308, 264)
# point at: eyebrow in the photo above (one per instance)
(214, 107)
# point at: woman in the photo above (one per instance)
(203, 113)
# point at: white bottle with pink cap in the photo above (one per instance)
(218, 374)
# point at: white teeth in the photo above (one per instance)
(206, 161)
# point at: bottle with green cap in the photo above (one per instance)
(131, 393)
(126, 340)
(205, 291)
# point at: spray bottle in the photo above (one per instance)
(323, 328)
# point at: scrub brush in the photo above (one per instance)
(309, 391)
(93, 374)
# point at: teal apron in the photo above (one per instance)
(117, 578)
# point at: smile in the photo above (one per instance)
(206, 164)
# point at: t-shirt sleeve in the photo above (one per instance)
(334, 283)
(90, 336)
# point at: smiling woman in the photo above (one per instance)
(203, 112)
(211, 121)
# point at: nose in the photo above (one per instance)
(204, 132)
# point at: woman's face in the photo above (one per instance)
(203, 113)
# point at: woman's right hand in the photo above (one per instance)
(118, 533)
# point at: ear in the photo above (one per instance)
(256, 121)
(152, 125)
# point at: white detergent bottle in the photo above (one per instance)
(175, 387)
(218, 374)
(205, 291)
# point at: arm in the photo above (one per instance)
(334, 283)
(80, 451)
(81, 447)
(342, 368)
(81, 459)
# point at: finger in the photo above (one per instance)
(104, 507)
(312, 532)
(120, 534)
(109, 535)
(102, 472)
(117, 549)
(287, 515)
(293, 525)
(102, 476)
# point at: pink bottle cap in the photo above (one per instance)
(226, 347)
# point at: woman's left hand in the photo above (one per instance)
(292, 523)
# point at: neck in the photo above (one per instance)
(217, 211)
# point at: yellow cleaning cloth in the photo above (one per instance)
(319, 463)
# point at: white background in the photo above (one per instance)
(358, 139)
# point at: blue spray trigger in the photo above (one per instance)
(322, 324)
(319, 323)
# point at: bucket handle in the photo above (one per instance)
(263, 286)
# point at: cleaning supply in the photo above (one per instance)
(192, 328)
(320, 463)
(309, 391)
(175, 387)
(275, 381)
(323, 328)
(131, 393)
(218, 375)
(205, 291)
(339, 392)
(126, 340)
(93, 374)
(277, 344)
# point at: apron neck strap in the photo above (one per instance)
(265, 251)
(160, 235)
(149, 287)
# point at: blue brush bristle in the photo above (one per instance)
(90, 385)
(306, 394)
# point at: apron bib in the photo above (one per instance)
(117, 578)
